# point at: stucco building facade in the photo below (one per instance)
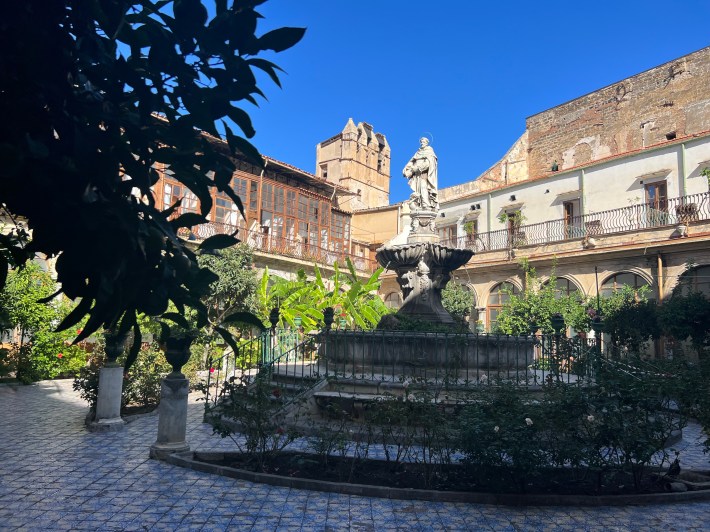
(613, 180)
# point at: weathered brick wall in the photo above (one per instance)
(640, 111)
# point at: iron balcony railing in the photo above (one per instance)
(668, 212)
(281, 245)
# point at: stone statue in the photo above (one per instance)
(421, 174)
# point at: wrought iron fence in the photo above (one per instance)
(282, 245)
(668, 212)
(283, 355)
(296, 363)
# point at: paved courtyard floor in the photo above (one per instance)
(54, 475)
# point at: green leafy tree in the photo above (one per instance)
(630, 318)
(20, 300)
(353, 300)
(39, 353)
(96, 96)
(232, 297)
(457, 300)
(538, 303)
(686, 316)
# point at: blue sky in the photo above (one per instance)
(469, 74)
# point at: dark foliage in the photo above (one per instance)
(96, 97)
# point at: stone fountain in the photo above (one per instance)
(423, 266)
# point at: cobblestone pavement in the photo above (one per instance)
(54, 475)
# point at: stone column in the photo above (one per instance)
(172, 420)
(108, 404)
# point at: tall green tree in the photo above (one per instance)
(457, 300)
(231, 296)
(96, 96)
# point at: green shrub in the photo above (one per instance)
(254, 408)
(141, 385)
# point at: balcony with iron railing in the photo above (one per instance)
(283, 246)
(666, 213)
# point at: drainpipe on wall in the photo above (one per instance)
(659, 276)
(488, 212)
(582, 210)
(681, 170)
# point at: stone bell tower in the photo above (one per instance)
(358, 159)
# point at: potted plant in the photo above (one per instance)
(469, 228)
(175, 342)
(514, 220)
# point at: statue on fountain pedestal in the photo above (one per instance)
(421, 174)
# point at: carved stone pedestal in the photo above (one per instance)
(172, 420)
(108, 404)
(422, 227)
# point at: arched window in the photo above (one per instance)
(498, 298)
(616, 282)
(695, 280)
(393, 300)
(564, 287)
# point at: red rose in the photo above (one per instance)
(60, 355)
(276, 393)
(211, 370)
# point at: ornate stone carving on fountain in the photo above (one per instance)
(423, 266)
(423, 271)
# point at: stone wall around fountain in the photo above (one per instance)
(409, 353)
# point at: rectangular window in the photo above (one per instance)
(291, 202)
(171, 193)
(267, 196)
(313, 210)
(279, 200)
(337, 226)
(447, 234)
(657, 195)
(278, 226)
(253, 195)
(324, 171)
(223, 212)
(303, 232)
(572, 220)
(240, 188)
(657, 204)
(290, 229)
(302, 207)
(189, 202)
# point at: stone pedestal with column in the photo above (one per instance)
(172, 412)
(172, 420)
(108, 404)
